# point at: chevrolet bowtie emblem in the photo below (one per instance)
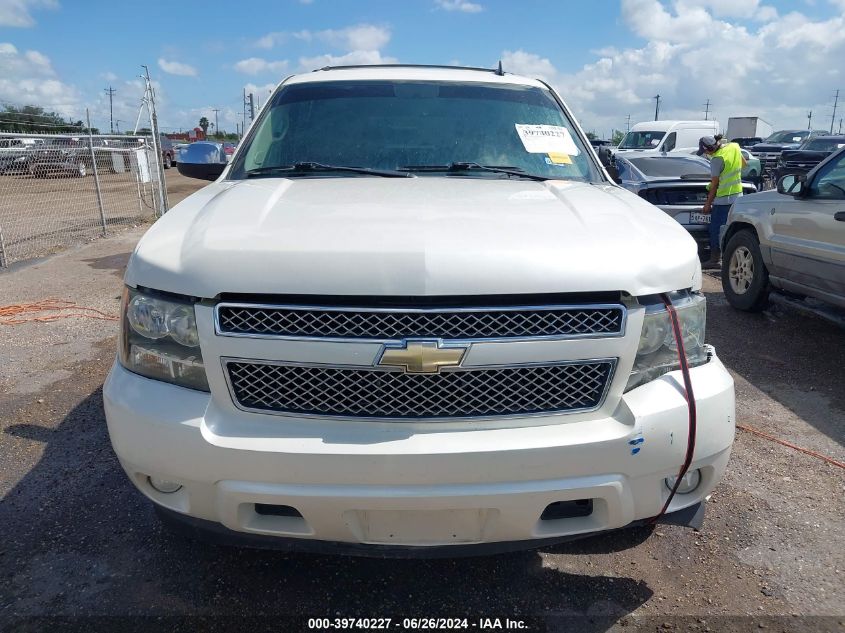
(422, 357)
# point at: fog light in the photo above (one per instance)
(163, 485)
(689, 482)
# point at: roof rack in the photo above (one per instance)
(496, 71)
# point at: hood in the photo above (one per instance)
(805, 155)
(413, 236)
(772, 147)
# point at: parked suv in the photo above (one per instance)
(413, 313)
(792, 239)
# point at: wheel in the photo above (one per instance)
(168, 162)
(80, 170)
(745, 279)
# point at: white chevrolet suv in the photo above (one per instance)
(413, 315)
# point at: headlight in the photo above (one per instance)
(658, 352)
(159, 339)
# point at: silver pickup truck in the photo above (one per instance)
(792, 239)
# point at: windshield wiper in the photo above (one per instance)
(311, 167)
(467, 166)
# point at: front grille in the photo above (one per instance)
(371, 393)
(396, 324)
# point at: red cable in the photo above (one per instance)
(690, 398)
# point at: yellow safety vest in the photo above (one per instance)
(730, 179)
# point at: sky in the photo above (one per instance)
(608, 58)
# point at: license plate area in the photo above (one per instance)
(699, 218)
(420, 527)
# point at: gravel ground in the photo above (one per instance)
(81, 542)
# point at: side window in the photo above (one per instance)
(669, 143)
(829, 183)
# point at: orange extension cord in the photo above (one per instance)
(60, 309)
(807, 451)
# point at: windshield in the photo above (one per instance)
(824, 144)
(660, 167)
(787, 136)
(390, 125)
(641, 140)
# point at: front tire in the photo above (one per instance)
(745, 279)
(168, 163)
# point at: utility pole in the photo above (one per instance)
(628, 123)
(833, 116)
(810, 120)
(840, 125)
(110, 91)
(706, 109)
(656, 106)
(216, 127)
(117, 123)
(251, 107)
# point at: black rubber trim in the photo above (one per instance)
(218, 534)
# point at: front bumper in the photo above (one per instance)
(418, 486)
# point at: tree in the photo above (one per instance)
(32, 118)
(204, 123)
(618, 135)
(592, 136)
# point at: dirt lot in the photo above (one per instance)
(80, 542)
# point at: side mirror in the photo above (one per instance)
(203, 160)
(792, 185)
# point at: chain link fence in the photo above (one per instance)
(64, 189)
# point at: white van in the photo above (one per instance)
(656, 137)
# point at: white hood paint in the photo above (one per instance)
(415, 236)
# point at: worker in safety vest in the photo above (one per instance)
(726, 163)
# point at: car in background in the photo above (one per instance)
(811, 153)
(790, 239)
(677, 184)
(168, 154)
(16, 154)
(746, 142)
(177, 148)
(62, 156)
(753, 170)
(769, 151)
(229, 150)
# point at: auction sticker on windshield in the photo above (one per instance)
(546, 139)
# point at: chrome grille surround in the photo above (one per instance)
(393, 324)
(371, 393)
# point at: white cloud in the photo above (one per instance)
(17, 13)
(459, 5)
(109, 76)
(177, 68)
(349, 59)
(271, 39)
(28, 78)
(256, 65)
(360, 37)
(522, 63)
(769, 66)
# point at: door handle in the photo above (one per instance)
(840, 216)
